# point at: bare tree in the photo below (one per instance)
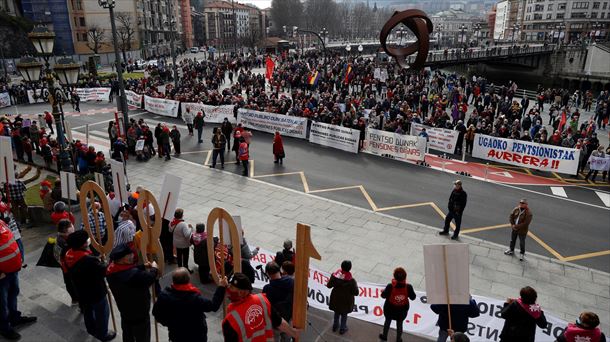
(95, 38)
(126, 32)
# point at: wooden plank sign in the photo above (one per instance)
(89, 190)
(7, 168)
(118, 180)
(68, 185)
(304, 251)
(169, 196)
(447, 272)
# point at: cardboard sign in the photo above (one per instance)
(68, 185)
(447, 273)
(99, 179)
(7, 167)
(68, 132)
(169, 196)
(140, 145)
(118, 180)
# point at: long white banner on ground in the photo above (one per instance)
(5, 100)
(526, 154)
(334, 136)
(393, 145)
(440, 139)
(93, 94)
(215, 114)
(133, 99)
(421, 320)
(599, 164)
(292, 126)
(161, 106)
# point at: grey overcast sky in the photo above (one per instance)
(259, 3)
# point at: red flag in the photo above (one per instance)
(563, 120)
(270, 65)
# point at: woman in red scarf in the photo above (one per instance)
(342, 297)
(278, 148)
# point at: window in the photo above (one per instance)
(576, 26)
(560, 15)
(561, 6)
(580, 5)
(579, 15)
(596, 5)
(593, 15)
(75, 22)
(549, 16)
(82, 21)
(539, 8)
(537, 16)
(550, 7)
(605, 5)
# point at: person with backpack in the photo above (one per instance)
(396, 306)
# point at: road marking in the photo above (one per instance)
(475, 230)
(278, 174)
(503, 174)
(195, 152)
(549, 195)
(335, 189)
(559, 191)
(105, 121)
(605, 197)
(586, 255)
(441, 213)
(405, 206)
(207, 158)
(368, 198)
(545, 246)
(305, 183)
(558, 176)
(251, 171)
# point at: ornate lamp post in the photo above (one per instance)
(515, 29)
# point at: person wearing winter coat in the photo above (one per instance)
(586, 328)
(174, 135)
(521, 316)
(182, 238)
(227, 130)
(396, 306)
(198, 122)
(280, 292)
(342, 297)
(200, 252)
(278, 149)
(460, 313)
(188, 120)
(181, 308)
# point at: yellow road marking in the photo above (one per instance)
(545, 246)
(558, 176)
(207, 158)
(278, 174)
(528, 171)
(335, 189)
(405, 206)
(441, 213)
(304, 181)
(368, 198)
(587, 255)
(474, 230)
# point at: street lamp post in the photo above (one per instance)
(348, 48)
(172, 48)
(67, 72)
(122, 103)
(515, 29)
(477, 29)
(462, 33)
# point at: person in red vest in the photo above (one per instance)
(10, 264)
(396, 306)
(250, 316)
(521, 316)
(586, 328)
(244, 155)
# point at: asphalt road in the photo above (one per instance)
(571, 226)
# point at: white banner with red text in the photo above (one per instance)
(537, 156)
(133, 99)
(334, 136)
(440, 139)
(93, 94)
(420, 320)
(599, 164)
(395, 146)
(214, 114)
(161, 106)
(292, 126)
(5, 100)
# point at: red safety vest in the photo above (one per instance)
(398, 295)
(10, 256)
(575, 333)
(251, 319)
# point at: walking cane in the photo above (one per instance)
(92, 190)
(150, 244)
(223, 217)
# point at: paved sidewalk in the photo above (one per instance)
(376, 243)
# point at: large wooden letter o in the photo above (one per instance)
(222, 216)
(150, 244)
(90, 189)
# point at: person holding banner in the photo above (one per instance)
(457, 203)
(599, 153)
(396, 306)
(187, 116)
(521, 316)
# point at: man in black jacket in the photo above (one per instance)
(130, 286)
(460, 313)
(457, 203)
(87, 273)
(181, 307)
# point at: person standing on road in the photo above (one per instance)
(188, 120)
(457, 203)
(520, 219)
(218, 144)
(227, 130)
(175, 136)
(198, 123)
(244, 155)
(396, 306)
(460, 313)
(342, 297)
(521, 316)
(599, 153)
(278, 148)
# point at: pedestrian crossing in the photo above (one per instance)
(582, 194)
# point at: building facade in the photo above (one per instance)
(457, 27)
(56, 14)
(230, 25)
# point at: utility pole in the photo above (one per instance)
(171, 24)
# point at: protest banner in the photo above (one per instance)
(93, 94)
(393, 145)
(133, 99)
(334, 136)
(537, 156)
(161, 106)
(421, 320)
(39, 96)
(6, 155)
(214, 114)
(440, 139)
(5, 100)
(599, 164)
(68, 185)
(291, 126)
(170, 190)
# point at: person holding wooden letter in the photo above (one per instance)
(250, 317)
(521, 316)
(396, 306)
(182, 238)
(342, 297)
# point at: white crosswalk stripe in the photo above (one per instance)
(605, 197)
(559, 191)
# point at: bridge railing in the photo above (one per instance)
(458, 55)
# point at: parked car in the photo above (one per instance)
(194, 50)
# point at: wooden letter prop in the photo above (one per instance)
(304, 250)
(68, 185)
(118, 180)
(90, 189)
(169, 195)
(151, 230)
(6, 155)
(223, 217)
